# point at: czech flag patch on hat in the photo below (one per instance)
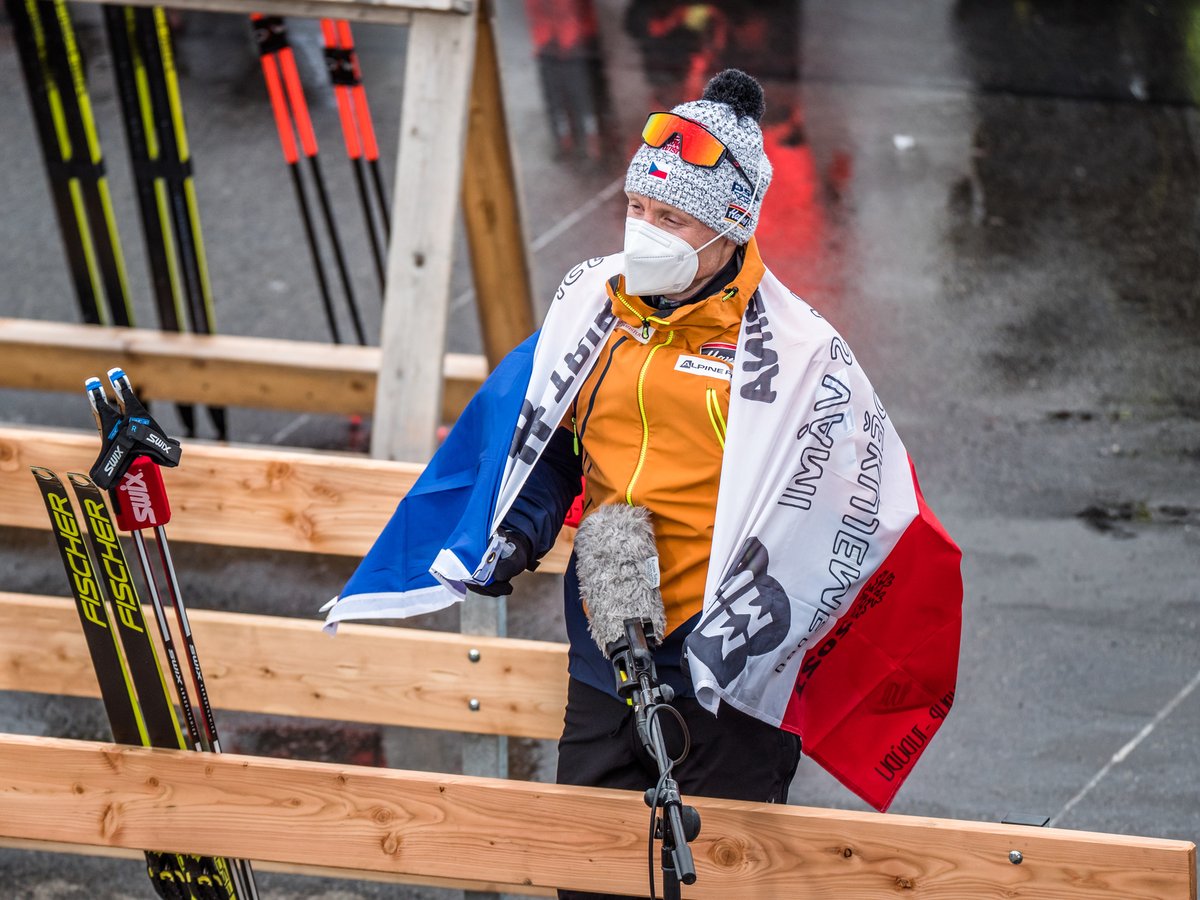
(658, 171)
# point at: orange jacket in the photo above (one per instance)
(650, 423)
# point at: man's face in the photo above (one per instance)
(677, 222)
(669, 219)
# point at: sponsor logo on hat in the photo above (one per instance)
(737, 215)
(719, 350)
(674, 145)
(658, 171)
(741, 192)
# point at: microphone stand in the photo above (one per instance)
(637, 684)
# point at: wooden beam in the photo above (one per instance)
(389, 12)
(284, 868)
(238, 496)
(491, 208)
(479, 829)
(271, 664)
(424, 208)
(227, 370)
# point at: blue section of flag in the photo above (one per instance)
(452, 504)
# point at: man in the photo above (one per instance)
(807, 589)
(647, 428)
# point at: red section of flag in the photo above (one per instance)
(871, 696)
(575, 513)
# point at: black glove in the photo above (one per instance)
(507, 567)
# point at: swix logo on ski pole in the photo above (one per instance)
(114, 460)
(155, 440)
(87, 591)
(134, 486)
(113, 560)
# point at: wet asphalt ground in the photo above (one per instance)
(995, 203)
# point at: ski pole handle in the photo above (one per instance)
(107, 417)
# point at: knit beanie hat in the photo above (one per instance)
(731, 108)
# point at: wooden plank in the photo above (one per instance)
(230, 495)
(479, 829)
(228, 370)
(271, 664)
(428, 176)
(238, 496)
(390, 12)
(283, 868)
(491, 209)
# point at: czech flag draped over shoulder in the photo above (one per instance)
(833, 600)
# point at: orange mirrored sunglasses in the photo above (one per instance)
(697, 145)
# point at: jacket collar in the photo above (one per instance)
(723, 307)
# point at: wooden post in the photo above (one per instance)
(484, 755)
(428, 178)
(491, 208)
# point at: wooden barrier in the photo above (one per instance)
(285, 868)
(272, 664)
(479, 829)
(389, 12)
(238, 496)
(262, 373)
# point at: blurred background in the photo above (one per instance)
(995, 201)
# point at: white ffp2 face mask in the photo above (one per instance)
(656, 261)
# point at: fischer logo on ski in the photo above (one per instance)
(121, 588)
(87, 589)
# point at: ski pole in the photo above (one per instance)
(285, 90)
(362, 115)
(161, 724)
(358, 132)
(155, 513)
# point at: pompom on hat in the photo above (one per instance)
(731, 108)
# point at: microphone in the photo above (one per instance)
(616, 560)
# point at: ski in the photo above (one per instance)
(174, 876)
(62, 112)
(284, 89)
(158, 713)
(147, 86)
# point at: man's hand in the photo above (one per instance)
(509, 566)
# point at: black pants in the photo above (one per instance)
(733, 756)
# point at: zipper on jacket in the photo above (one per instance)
(714, 414)
(575, 434)
(646, 320)
(641, 395)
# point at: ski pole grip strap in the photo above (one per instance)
(140, 498)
